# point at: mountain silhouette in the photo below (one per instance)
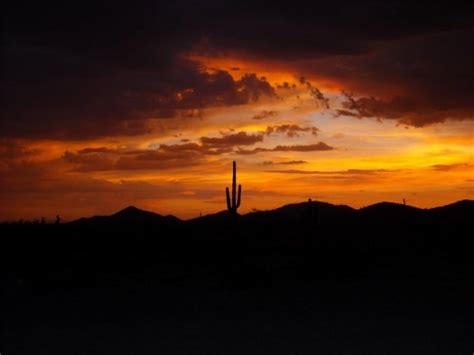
(333, 261)
(321, 212)
(457, 212)
(315, 211)
(390, 213)
(129, 215)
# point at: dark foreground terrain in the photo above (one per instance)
(302, 279)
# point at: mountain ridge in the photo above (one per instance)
(380, 211)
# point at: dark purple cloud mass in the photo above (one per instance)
(101, 68)
(291, 130)
(321, 146)
(166, 156)
(230, 140)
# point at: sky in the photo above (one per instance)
(106, 104)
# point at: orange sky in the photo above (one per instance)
(368, 160)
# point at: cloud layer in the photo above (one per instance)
(102, 69)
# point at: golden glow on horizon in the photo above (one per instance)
(372, 161)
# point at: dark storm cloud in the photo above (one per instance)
(334, 173)
(432, 77)
(102, 68)
(321, 146)
(194, 148)
(322, 100)
(406, 61)
(230, 140)
(289, 162)
(119, 102)
(264, 114)
(166, 156)
(372, 107)
(299, 29)
(451, 167)
(89, 162)
(346, 177)
(291, 130)
(11, 150)
(96, 150)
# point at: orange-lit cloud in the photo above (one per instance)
(353, 106)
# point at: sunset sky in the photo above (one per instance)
(110, 104)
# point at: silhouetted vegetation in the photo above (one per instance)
(136, 273)
(234, 204)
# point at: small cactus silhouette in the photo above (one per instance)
(58, 220)
(233, 204)
(313, 211)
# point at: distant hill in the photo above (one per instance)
(389, 213)
(457, 212)
(129, 215)
(320, 212)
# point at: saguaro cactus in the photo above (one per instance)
(234, 204)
